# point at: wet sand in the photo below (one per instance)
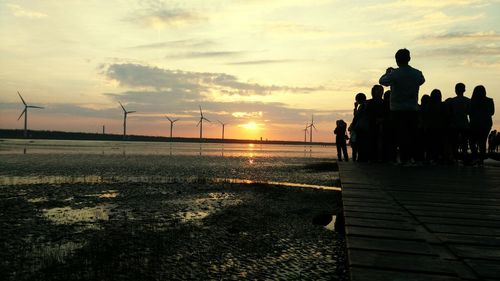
(174, 229)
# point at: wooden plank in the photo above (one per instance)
(364, 194)
(379, 223)
(450, 207)
(399, 261)
(484, 268)
(449, 239)
(369, 204)
(460, 221)
(362, 274)
(456, 214)
(457, 229)
(376, 216)
(388, 233)
(380, 210)
(389, 245)
(481, 252)
(367, 200)
(356, 186)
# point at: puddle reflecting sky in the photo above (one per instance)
(68, 215)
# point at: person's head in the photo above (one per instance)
(460, 89)
(424, 100)
(360, 98)
(402, 57)
(341, 123)
(479, 93)
(436, 96)
(377, 92)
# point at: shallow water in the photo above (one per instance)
(20, 146)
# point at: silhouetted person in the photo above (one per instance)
(341, 140)
(405, 82)
(497, 142)
(375, 110)
(492, 141)
(360, 129)
(388, 131)
(482, 109)
(423, 137)
(459, 108)
(436, 122)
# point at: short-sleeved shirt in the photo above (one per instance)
(405, 82)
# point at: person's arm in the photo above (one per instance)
(492, 107)
(421, 78)
(386, 78)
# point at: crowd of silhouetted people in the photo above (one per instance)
(393, 126)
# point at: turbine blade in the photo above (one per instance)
(199, 122)
(21, 98)
(122, 106)
(34, 106)
(207, 119)
(201, 112)
(22, 113)
(168, 118)
(133, 111)
(175, 120)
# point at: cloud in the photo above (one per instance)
(207, 54)
(461, 36)
(188, 43)
(259, 62)
(465, 50)
(427, 20)
(432, 3)
(233, 112)
(190, 83)
(159, 14)
(21, 12)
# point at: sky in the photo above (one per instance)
(262, 66)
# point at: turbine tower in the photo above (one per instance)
(125, 113)
(200, 123)
(171, 125)
(223, 126)
(311, 126)
(305, 133)
(25, 112)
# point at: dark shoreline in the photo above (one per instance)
(60, 135)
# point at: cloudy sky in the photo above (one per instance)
(263, 66)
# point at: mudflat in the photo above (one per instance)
(115, 217)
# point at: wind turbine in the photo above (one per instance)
(125, 113)
(305, 133)
(200, 123)
(171, 124)
(25, 112)
(223, 125)
(311, 126)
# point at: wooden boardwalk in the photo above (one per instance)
(421, 223)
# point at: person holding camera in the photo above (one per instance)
(404, 82)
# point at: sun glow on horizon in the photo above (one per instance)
(251, 125)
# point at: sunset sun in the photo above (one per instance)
(250, 126)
